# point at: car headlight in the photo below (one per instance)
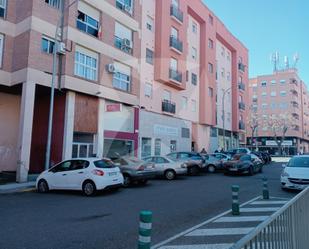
(284, 174)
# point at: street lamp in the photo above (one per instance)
(223, 115)
(57, 41)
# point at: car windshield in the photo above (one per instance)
(103, 164)
(301, 162)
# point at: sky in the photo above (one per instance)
(267, 26)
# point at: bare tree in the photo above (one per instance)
(253, 122)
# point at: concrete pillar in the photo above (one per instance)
(25, 131)
(68, 125)
(100, 135)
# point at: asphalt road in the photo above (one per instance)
(67, 220)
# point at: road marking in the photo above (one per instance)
(267, 202)
(263, 209)
(211, 246)
(220, 231)
(199, 225)
(241, 219)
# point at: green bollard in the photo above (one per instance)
(145, 225)
(235, 203)
(265, 189)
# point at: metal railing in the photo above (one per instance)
(288, 228)
(176, 43)
(176, 12)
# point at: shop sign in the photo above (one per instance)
(165, 130)
(113, 107)
(273, 143)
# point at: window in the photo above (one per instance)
(264, 106)
(88, 19)
(149, 23)
(283, 105)
(264, 94)
(210, 43)
(167, 95)
(86, 63)
(193, 103)
(123, 38)
(263, 83)
(125, 5)
(194, 53)
(174, 64)
(273, 94)
(193, 79)
(122, 77)
(283, 93)
(83, 144)
(146, 146)
(185, 132)
(148, 90)
(175, 3)
(157, 151)
(173, 145)
(210, 68)
(1, 48)
(53, 3)
(222, 51)
(228, 56)
(282, 82)
(213, 132)
(174, 32)
(184, 103)
(211, 19)
(273, 82)
(149, 56)
(47, 45)
(222, 72)
(194, 27)
(273, 105)
(210, 92)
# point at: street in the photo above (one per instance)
(110, 220)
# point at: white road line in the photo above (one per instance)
(262, 209)
(267, 202)
(220, 231)
(199, 225)
(211, 246)
(241, 219)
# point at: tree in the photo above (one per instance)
(253, 122)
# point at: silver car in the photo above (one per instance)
(167, 167)
(214, 162)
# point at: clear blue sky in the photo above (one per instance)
(266, 26)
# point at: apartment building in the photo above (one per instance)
(97, 87)
(281, 93)
(181, 94)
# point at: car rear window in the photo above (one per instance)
(302, 162)
(103, 164)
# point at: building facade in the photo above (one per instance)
(133, 77)
(276, 97)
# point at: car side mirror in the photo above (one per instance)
(283, 165)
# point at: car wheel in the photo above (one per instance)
(143, 182)
(211, 168)
(251, 171)
(193, 170)
(127, 180)
(89, 188)
(43, 186)
(170, 174)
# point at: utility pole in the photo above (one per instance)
(223, 115)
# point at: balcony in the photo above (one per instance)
(242, 125)
(294, 92)
(168, 106)
(175, 75)
(241, 67)
(241, 105)
(177, 13)
(241, 86)
(176, 43)
(294, 104)
(295, 115)
(293, 82)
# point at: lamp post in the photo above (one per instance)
(223, 114)
(57, 40)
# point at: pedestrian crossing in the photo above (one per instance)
(223, 231)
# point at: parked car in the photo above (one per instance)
(215, 161)
(88, 175)
(167, 167)
(267, 156)
(295, 174)
(244, 163)
(232, 152)
(261, 156)
(135, 170)
(195, 161)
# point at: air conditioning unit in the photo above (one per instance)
(110, 68)
(61, 49)
(126, 43)
(128, 8)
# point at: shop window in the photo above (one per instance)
(146, 147)
(185, 132)
(157, 151)
(114, 148)
(83, 145)
(173, 146)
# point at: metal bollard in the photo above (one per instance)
(235, 203)
(265, 189)
(144, 238)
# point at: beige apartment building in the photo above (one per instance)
(281, 95)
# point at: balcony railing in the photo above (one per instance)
(177, 13)
(241, 86)
(176, 43)
(242, 125)
(241, 67)
(175, 75)
(242, 105)
(168, 106)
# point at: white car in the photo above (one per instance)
(295, 174)
(87, 175)
(167, 167)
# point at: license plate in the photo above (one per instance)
(232, 169)
(112, 173)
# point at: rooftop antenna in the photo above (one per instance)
(286, 62)
(295, 59)
(275, 60)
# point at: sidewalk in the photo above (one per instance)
(17, 187)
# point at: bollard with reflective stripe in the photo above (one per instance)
(265, 189)
(144, 238)
(235, 204)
